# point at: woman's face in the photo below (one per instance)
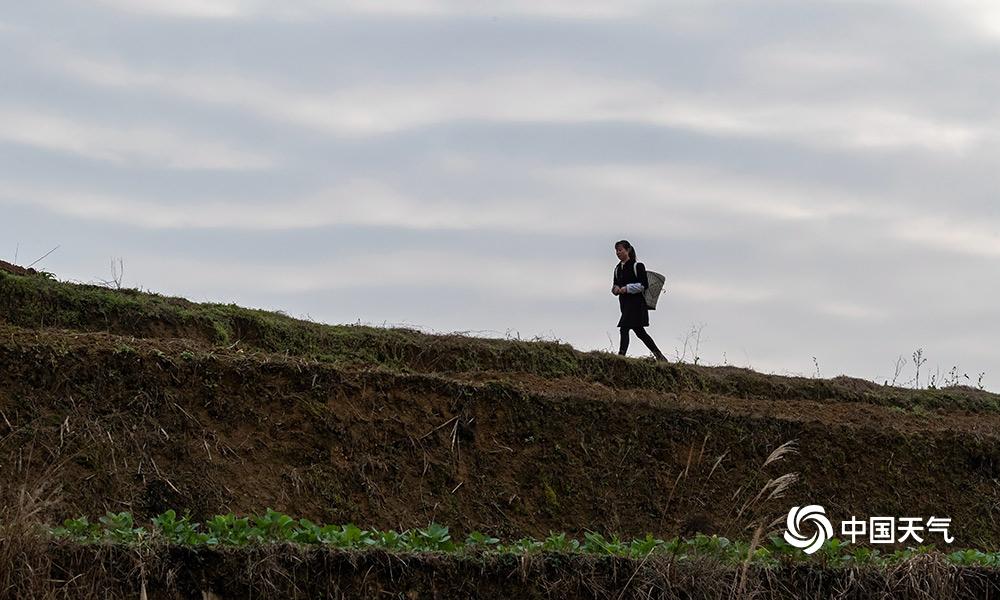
(621, 252)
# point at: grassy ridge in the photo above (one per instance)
(37, 301)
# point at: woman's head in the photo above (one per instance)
(624, 250)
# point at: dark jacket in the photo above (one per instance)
(635, 313)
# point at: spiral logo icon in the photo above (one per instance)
(800, 515)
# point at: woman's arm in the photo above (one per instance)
(642, 284)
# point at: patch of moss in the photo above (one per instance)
(551, 499)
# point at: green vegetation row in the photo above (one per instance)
(275, 527)
(38, 301)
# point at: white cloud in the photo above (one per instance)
(850, 310)
(980, 237)
(203, 9)
(709, 190)
(785, 62)
(982, 16)
(355, 202)
(682, 203)
(306, 9)
(714, 291)
(123, 144)
(669, 201)
(539, 97)
(494, 276)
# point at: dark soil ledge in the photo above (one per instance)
(174, 573)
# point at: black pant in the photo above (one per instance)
(640, 332)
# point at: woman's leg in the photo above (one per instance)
(623, 345)
(640, 333)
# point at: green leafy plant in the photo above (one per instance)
(480, 539)
(273, 526)
(78, 530)
(643, 547)
(435, 538)
(560, 543)
(228, 529)
(390, 540)
(595, 543)
(179, 530)
(119, 527)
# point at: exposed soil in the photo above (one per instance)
(16, 270)
(146, 424)
(287, 572)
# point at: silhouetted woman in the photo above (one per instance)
(629, 282)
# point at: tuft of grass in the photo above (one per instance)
(21, 538)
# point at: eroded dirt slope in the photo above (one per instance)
(121, 423)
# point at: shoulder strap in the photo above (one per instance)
(635, 269)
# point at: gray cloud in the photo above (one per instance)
(816, 179)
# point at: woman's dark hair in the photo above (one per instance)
(627, 246)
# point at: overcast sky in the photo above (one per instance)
(816, 179)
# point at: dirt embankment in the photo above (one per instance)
(15, 269)
(145, 425)
(112, 573)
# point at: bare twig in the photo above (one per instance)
(442, 425)
(43, 257)
(900, 362)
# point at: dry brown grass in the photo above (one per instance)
(22, 544)
(279, 571)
